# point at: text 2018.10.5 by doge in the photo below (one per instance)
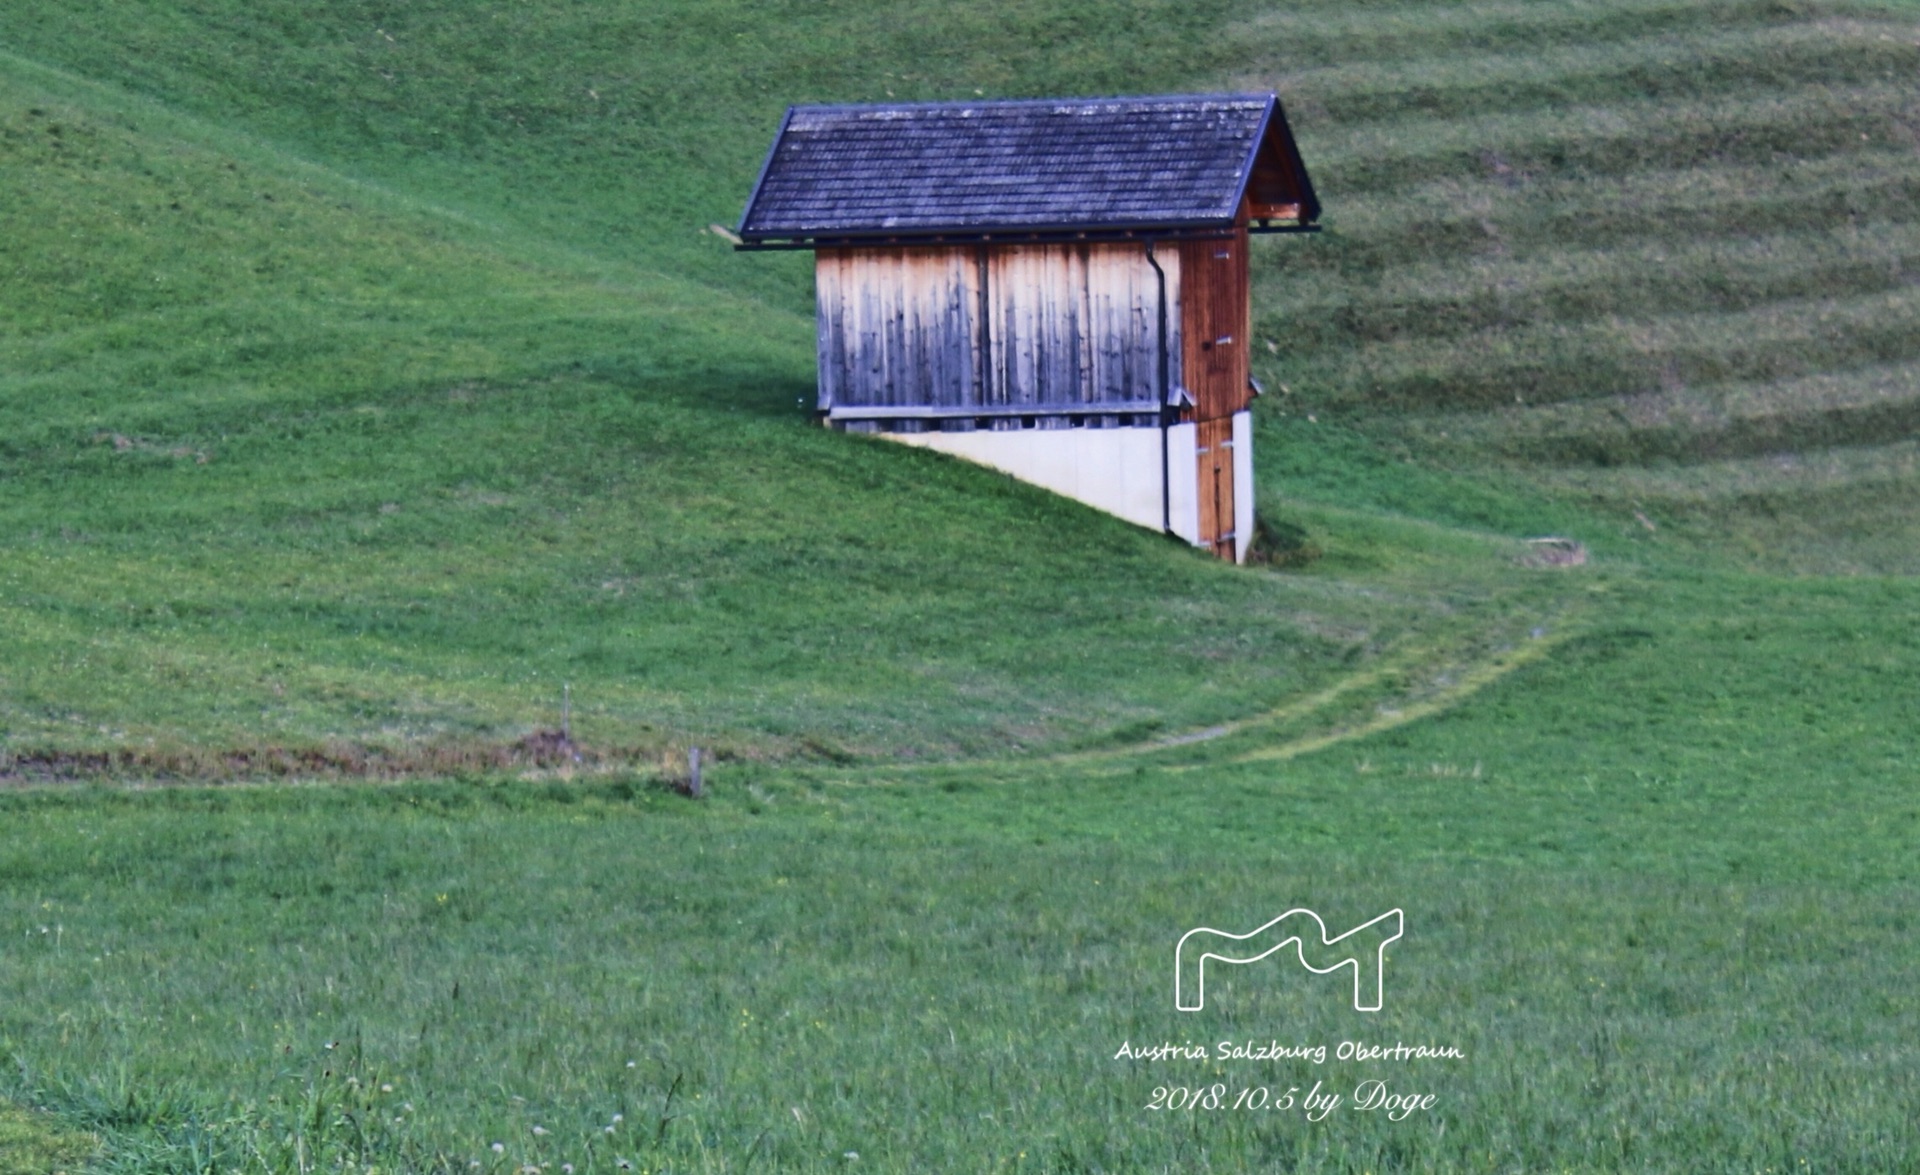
(1316, 1103)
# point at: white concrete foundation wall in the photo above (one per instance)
(1117, 470)
(1242, 485)
(1183, 458)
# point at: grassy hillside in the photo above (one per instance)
(623, 130)
(367, 376)
(329, 471)
(294, 461)
(377, 365)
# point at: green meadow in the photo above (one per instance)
(376, 402)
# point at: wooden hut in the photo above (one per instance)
(1057, 289)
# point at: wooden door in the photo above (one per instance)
(1214, 442)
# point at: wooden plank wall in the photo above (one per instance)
(1064, 324)
(898, 327)
(1078, 324)
(1217, 325)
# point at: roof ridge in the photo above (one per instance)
(1002, 103)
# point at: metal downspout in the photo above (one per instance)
(1166, 472)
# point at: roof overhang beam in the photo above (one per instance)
(921, 240)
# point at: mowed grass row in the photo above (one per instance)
(1732, 50)
(1609, 207)
(1655, 891)
(1440, 302)
(1330, 35)
(1432, 224)
(1753, 420)
(1549, 362)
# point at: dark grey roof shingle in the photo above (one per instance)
(1123, 163)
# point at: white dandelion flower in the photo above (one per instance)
(539, 1130)
(499, 1148)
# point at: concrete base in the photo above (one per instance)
(1118, 470)
(1242, 485)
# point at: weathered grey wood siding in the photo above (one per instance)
(898, 327)
(999, 326)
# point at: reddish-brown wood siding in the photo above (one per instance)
(1214, 448)
(1215, 323)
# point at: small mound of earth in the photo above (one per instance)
(543, 747)
(1553, 551)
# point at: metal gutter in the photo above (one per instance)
(997, 235)
(986, 411)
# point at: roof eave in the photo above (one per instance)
(1309, 199)
(1253, 152)
(1290, 154)
(985, 234)
(766, 165)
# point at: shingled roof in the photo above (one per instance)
(972, 169)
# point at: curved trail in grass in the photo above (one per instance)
(1474, 679)
(1420, 681)
(1458, 680)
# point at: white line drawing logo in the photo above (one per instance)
(1300, 928)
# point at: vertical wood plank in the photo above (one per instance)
(1054, 325)
(1215, 484)
(1086, 389)
(1215, 317)
(829, 326)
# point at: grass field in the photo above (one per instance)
(1664, 933)
(368, 377)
